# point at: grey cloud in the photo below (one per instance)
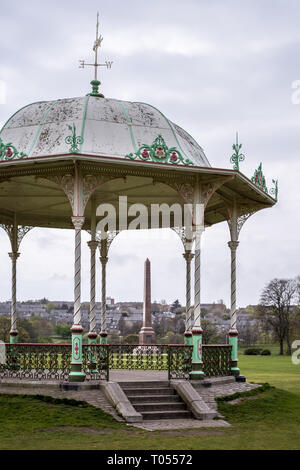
(221, 67)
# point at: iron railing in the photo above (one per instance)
(53, 361)
(216, 359)
(175, 358)
(36, 361)
(95, 361)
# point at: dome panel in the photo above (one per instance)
(30, 115)
(190, 146)
(108, 128)
(65, 110)
(100, 138)
(107, 110)
(141, 114)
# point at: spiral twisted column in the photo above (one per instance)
(188, 256)
(233, 333)
(197, 364)
(197, 372)
(76, 374)
(103, 259)
(14, 316)
(92, 317)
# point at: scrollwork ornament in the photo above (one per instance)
(159, 152)
(74, 140)
(9, 152)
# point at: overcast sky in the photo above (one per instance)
(213, 67)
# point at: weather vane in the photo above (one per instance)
(95, 83)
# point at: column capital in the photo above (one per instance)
(233, 332)
(92, 335)
(104, 259)
(197, 330)
(233, 245)
(76, 328)
(93, 244)
(14, 255)
(188, 255)
(78, 222)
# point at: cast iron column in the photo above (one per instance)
(92, 336)
(233, 333)
(103, 259)
(197, 363)
(76, 374)
(188, 256)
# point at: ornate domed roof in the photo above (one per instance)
(97, 127)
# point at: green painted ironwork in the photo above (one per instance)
(9, 152)
(216, 359)
(259, 179)
(275, 189)
(53, 361)
(176, 359)
(237, 157)
(74, 140)
(36, 361)
(95, 361)
(159, 152)
(95, 89)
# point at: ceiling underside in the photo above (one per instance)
(40, 202)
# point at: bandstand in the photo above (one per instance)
(59, 161)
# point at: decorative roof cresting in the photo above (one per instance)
(9, 151)
(159, 152)
(237, 157)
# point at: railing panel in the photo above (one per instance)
(216, 359)
(176, 359)
(36, 361)
(95, 361)
(53, 361)
(180, 361)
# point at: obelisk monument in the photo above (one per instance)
(147, 335)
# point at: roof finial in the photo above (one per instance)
(95, 83)
(237, 157)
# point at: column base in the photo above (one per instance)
(233, 340)
(92, 340)
(13, 337)
(234, 368)
(188, 338)
(240, 378)
(197, 363)
(197, 375)
(76, 375)
(103, 337)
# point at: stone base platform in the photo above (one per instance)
(93, 394)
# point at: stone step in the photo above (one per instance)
(152, 398)
(148, 391)
(155, 415)
(145, 384)
(163, 406)
(155, 400)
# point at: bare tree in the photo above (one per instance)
(276, 308)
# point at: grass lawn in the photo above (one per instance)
(269, 420)
(276, 370)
